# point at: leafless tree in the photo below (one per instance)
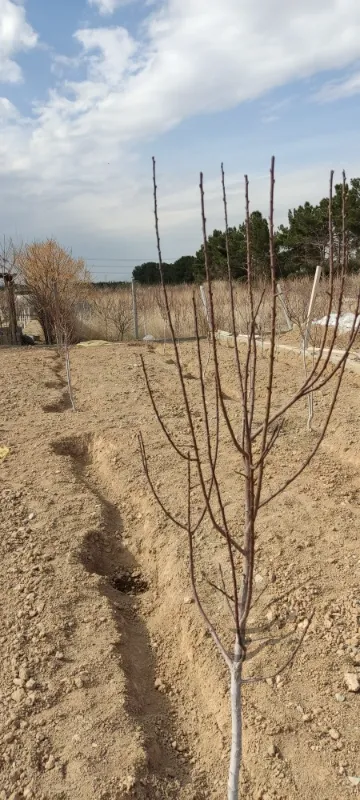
(8, 263)
(56, 282)
(114, 310)
(252, 440)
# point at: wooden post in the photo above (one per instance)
(134, 303)
(283, 306)
(311, 305)
(10, 292)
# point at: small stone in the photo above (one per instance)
(50, 762)
(352, 682)
(340, 697)
(188, 599)
(272, 750)
(159, 685)
(59, 656)
(303, 625)
(18, 695)
(259, 579)
(354, 780)
(31, 516)
(79, 683)
(129, 783)
(30, 684)
(334, 734)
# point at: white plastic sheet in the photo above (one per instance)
(346, 321)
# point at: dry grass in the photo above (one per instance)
(107, 314)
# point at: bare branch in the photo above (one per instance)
(288, 662)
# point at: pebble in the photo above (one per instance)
(18, 695)
(272, 750)
(303, 625)
(340, 698)
(334, 734)
(31, 516)
(79, 683)
(50, 763)
(129, 783)
(354, 780)
(352, 682)
(59, 656)
(188, 599)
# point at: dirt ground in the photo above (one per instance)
(110, 688)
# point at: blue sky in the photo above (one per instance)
(91, 89)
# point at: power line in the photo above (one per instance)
(120, 260)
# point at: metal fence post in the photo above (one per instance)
(135, 314)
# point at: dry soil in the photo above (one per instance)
(110, 687)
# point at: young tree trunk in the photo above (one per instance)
(9, 285)
(236, 724)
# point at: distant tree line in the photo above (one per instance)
(110, 284)
(300, 245)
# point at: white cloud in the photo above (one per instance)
(15, 35)
(76, 155)
(113, 50)
(336, 90)
(107, 7)
(7, 110)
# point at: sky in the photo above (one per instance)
(90, 90)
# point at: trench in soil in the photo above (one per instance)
(124, 583)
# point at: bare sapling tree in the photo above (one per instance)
(113, 308)
(162, 309)
(254, 434)
(63, 335)
(210, 332)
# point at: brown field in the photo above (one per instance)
(108, 694)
